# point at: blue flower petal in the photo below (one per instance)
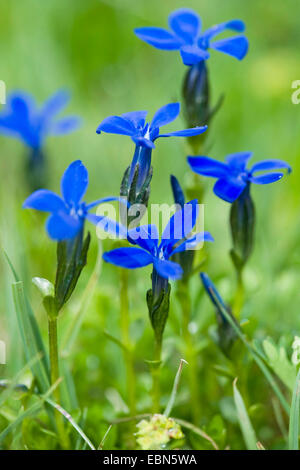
(74, 183)
(208, 167)
(130, 257)
(19, 119)
(266, 179)
(44, 200)
(229, 189)
(108, 225)
(143, 141)
(192, 242)
(192, 54)
(234, 25)
(137, 118)
(116, 125)
(22, 104)
(212, 291)
(236, 47)
(178, 193)
(165, 114)
(103, 200)
(146, 236)
(238, 161)
(65, 125)
(273, 164)
(168, 269)
(185, 132)
(185, 23)
(159, 37)
(61, 226)
(55, 104)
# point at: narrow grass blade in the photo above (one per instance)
(255, 356)
(175, 388)
(79, 445)
(32, 340)
(100, 447)
(35, 408)
(196, 430)
(68, 389)
(294, 416)
(244, 420)
(73, 423)
(117, 342)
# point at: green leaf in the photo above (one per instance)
(33, 409)
(31, 337)
(45, 287)
(5, 395)
(280, 363)
(294, 416)
(245, 423)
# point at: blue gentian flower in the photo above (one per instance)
(144, 134)
(23, 119)
(68, 212)
(233, 175)
(186, 36)
(176, 238)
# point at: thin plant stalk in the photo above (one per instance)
(239, 294)
(155, 369)
(54, 368)
(125, 338)
(190, 353)
(172, 399)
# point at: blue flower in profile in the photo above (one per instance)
(177, 237)
(133, 124)
(233, 176)
(23, 119)
(185, 35)
(68, 212)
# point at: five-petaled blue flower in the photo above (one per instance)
(144, 134)
(176, 238)
(21, 118)
(186, 36)
(233, 175)
(69, 211)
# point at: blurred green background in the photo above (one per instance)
(89, 48)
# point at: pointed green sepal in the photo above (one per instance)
(71, 259)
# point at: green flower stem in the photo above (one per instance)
(239, 296)
(155, 369)
(54, 366)
(128, 357)
(190, 353)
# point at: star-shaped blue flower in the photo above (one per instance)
(176, 238)
(186, 36)
(233, 175)
(68, 212)
(145, 134)
(23, 119)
